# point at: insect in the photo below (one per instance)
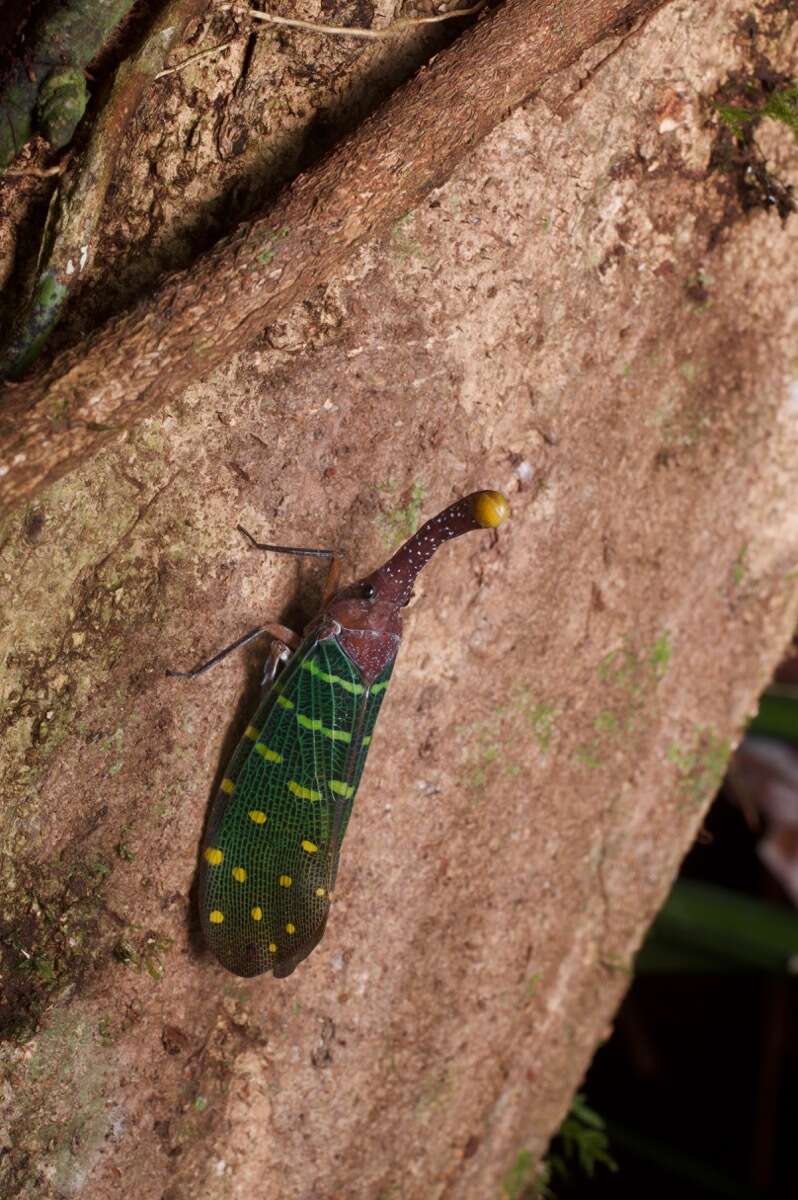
(270, 855)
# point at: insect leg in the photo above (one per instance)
(333, 572)
(331, 582)
(217, 658)
(300, 552)
(278, 654)
(284, 637)
(284, 642)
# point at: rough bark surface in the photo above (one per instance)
(584, 315)
(193, 322)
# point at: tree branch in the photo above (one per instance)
(197, 317)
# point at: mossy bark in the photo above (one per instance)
(46, 93)
(75, 212)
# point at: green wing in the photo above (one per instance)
(270, 856)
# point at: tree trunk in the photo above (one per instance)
(196, 319)
(589, 315)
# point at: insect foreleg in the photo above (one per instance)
(331, 582)
(297, 551)
(333, 572)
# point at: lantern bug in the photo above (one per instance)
(270, 854)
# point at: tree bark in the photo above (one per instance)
(138, 361)
(590, 316)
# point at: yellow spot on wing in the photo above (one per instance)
(341, 789)
(228, 786)
(251, 733)
(272, 948)
(336, 735)
(321, 891)
(269, 755)
(257, 816)
(356, 689)
(285, 881)
(239, 874)
(213, 856)
(284, 702)
(257, 913)
(303, 793)
(310, 847)
(216, 917)
(290, 928)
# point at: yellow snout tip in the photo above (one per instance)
(491, 509)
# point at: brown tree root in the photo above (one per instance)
(197, 317)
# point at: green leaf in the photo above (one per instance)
(707, 928)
